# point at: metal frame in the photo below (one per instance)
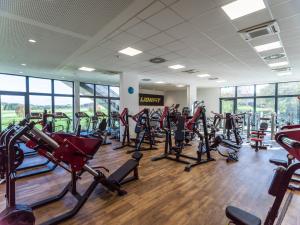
(27, 94)
(276, 96)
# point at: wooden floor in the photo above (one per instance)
(165, 194)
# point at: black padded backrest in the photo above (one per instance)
(228, 122)
(277, 181)
(263, 126)
(103, 125)
(179, 133)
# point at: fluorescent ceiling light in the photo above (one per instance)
(32, 41)
(88, 69)
(180, 85)
(130, 51)
(160, 82)
(284, 63)
(241, 8)
(176, 67)
(23, 64)
(269, 46)
(221, 81)
(284, 73)
(203, 75)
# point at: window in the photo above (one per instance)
(227, 106)
(292, 88)
(101, 90)
(245, 91)
(265, 106)
(12, 83)
(288, 110)
(115, 105)
(87, 105)
(12, 109)
(227, 92)
(102, 105)
(265, 90)
(245, 105)
(38, 103)
(114, 91)
(63, 87)
(64, 105)
(37, 85)
(87, 89)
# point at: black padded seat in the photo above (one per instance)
(279, 162)
(241, 217)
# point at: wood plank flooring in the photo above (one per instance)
(165, 194)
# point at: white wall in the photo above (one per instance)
(210, 96)
(176, 97)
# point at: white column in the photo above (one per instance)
(191, 95)
(76, 99)
(129, 100)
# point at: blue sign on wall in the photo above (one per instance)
(130, 90)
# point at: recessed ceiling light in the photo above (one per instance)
(284, 63)
(32, 41)
(62, 77)
(160, 82)
(221, 81)
(21, 72)
(269, 46)
(130, 51)
(176, 67)
(203, 75)
(23, 64)
(88, 69)
(284, 73)
(180, 85)
(241, 8)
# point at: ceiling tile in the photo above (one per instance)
(130, 23)
(222, 31)
(158, 52)
(151, 10)
(175, 46)
(191, 8)
(143, 30)
(164, 19)
(168, 2)
(125, 38)
(171, 56)
(182, 30)
(287, 9)
(144, 45)
(290, 23)
(160, 39)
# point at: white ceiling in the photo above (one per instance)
(194, 33)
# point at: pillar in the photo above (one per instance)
(191, 95)
(129, 99)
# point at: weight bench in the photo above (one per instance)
(241, 217)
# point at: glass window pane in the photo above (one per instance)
(265, 90)
(86, 89)
(245, 91)
(63, 87)
(87, 106)
(63, 105)
(12, 109)
(265, 106)
(102, 90)
(288, 110)
(39, 103)
(114, 105)
(37, 85)
(227, 106)
(291, 88)
(245, 105)
(102, 105)
(12, 83)
(114, 91)
(227, 92)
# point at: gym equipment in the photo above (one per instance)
(72, 153)
(175, 152)
(61, 122)
(114, 128)
(79, 131)
(99, 126)
(289, 139)
(258, 136)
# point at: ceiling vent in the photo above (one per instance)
(283, 69)
(146, 79)
(274, 56)
(191, 71)
(213, 78)
(157, 60)
(260, 30)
